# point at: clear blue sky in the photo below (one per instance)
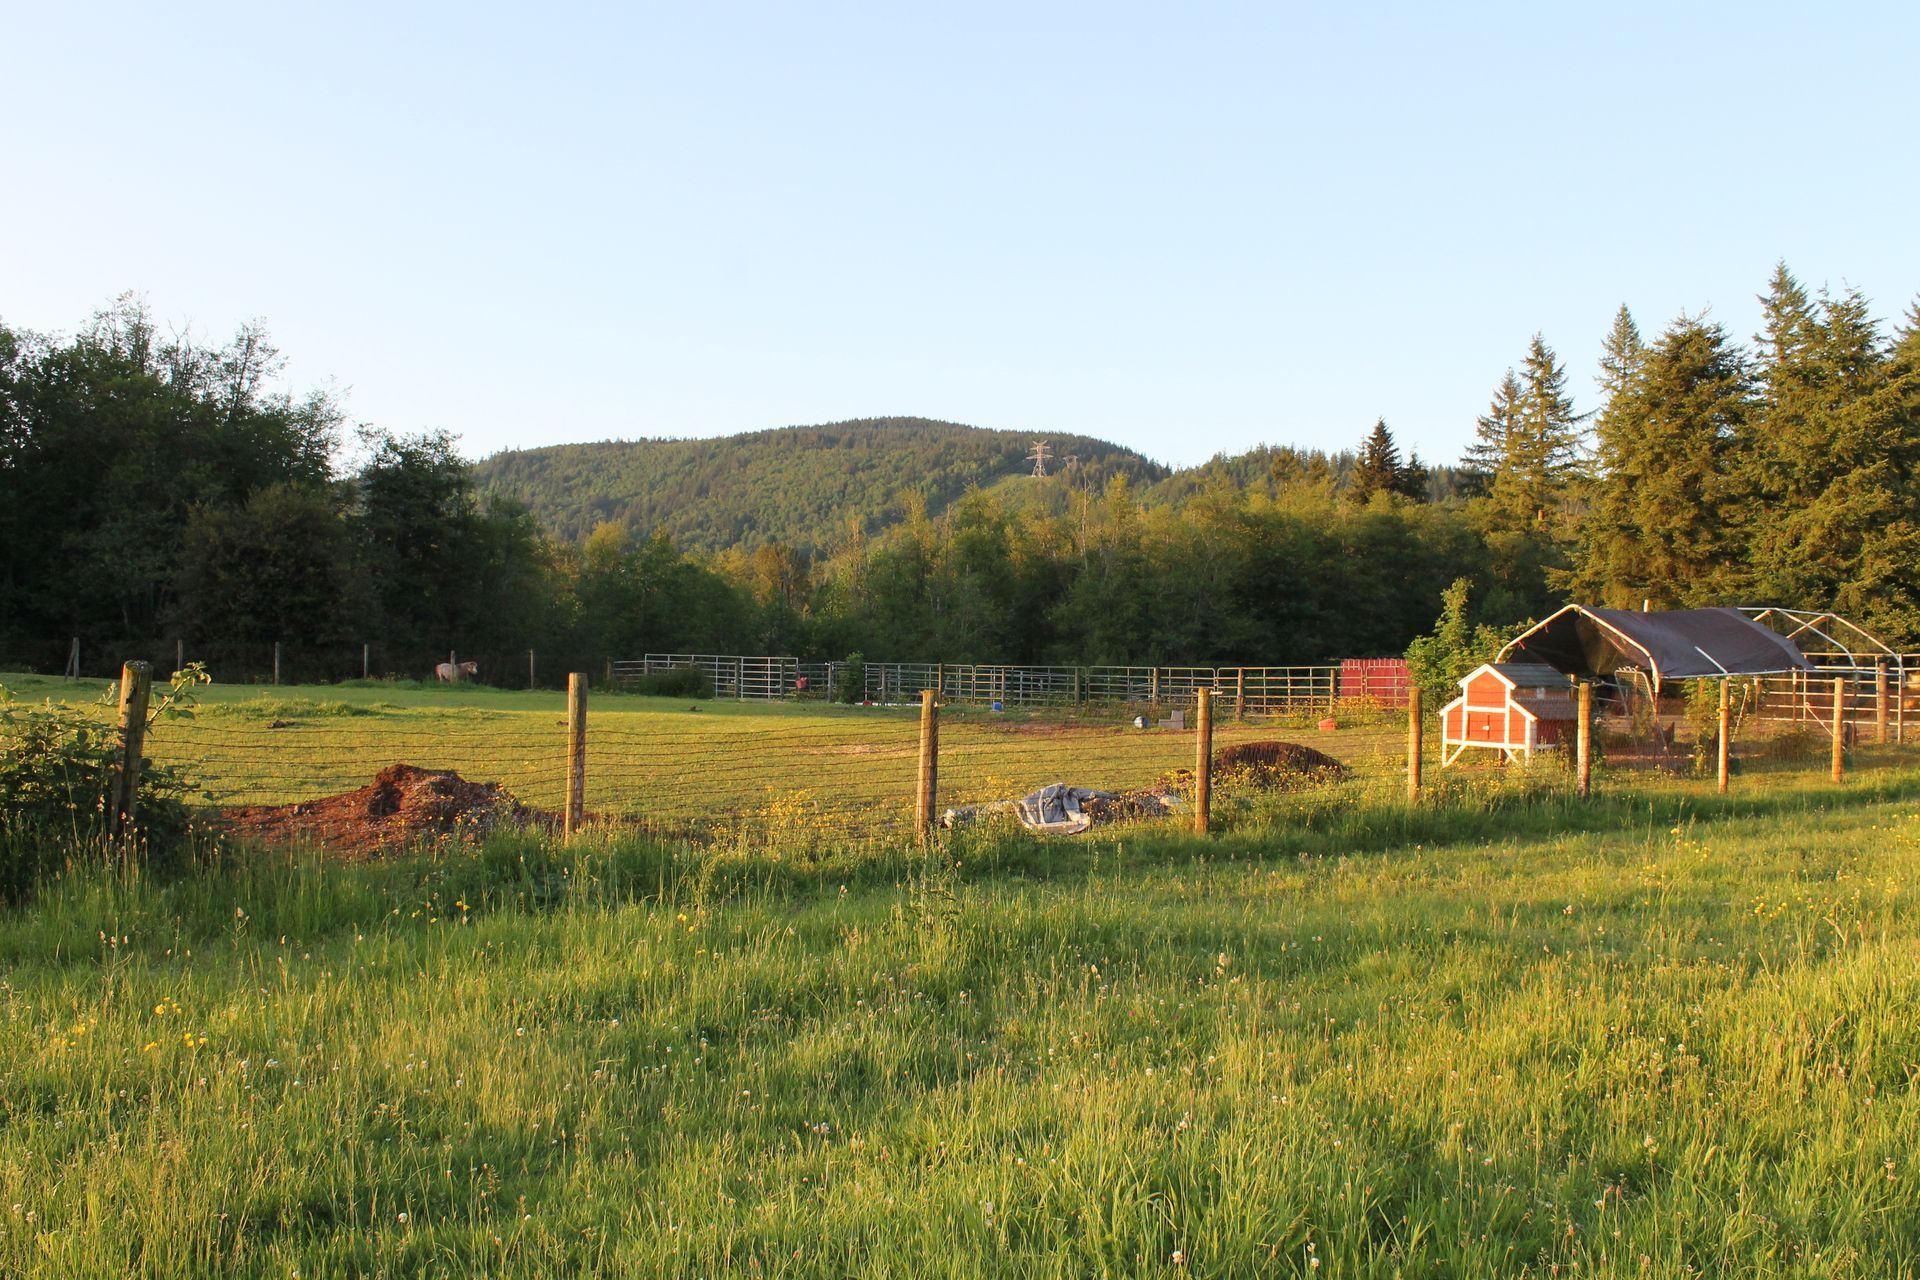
(1190, 229)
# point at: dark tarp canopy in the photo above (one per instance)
(1675, 644)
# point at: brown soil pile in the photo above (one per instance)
(1266, 765)
(404, 805)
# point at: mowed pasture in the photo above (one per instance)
(677, 763)
(1509, 1033)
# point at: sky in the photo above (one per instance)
(1188, 229)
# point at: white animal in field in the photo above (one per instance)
(449, 674)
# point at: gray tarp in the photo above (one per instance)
(1675, 644)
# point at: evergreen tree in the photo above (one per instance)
(1379, 469)
(1832, 516)
(1656, 527)
(1542, 456)
(1621, 354)
(1416, 479)
(1494, 430)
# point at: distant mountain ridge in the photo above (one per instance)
(797, 485)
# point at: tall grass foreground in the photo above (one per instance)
(1659, 1034)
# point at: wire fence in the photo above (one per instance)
(293, 662)
(1247, 691)
(795, 771)
(329, 769)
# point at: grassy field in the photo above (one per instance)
(789, 767)
(1657, 1034)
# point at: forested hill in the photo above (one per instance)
(795, 485)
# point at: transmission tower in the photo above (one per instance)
(1039, 458)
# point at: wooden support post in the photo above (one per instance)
(276, 662)
(1880, 703)
(924, 794)
(1900, 706)
(1725, 751)
(180, 662)
(1239, 693)
(1077, 673)
(1583, 742)
(73, 659)
(533, 681)
(366, 661)
(453, 661)
(1839, 727)
(1202, 761)
(1416, 731)
(136, 683)
(939, 680)
(1153, 686)
(576, 810)
(609, 683)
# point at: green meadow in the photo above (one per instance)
(1506, 1033)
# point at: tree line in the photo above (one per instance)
(153, 487)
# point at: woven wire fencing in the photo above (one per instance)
(790, 772)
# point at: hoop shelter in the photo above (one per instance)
(1674, 644)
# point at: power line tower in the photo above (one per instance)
(1039, 458)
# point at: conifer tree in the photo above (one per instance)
(1831, 515)
(1486, 457)
(1379, 469)
(1656, 527)
(1621, 353)
(1528, 445)
(1543, 454)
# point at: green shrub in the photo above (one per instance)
(852, 685)
(57, 771)
(675, 682)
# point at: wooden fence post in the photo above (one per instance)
(73, 659)
(1416, 730)
(276, 662)
(180, 662)
(136, 683)
(453, 660)
(1880, 703)
(1839, 727)
(1202, 760)
(1239, 693)
(576, 810)
(366, 661)
(1727, 734)
(923, 800)
(1153, 686)
(1583, 742)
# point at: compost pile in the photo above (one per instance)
(404, 805)
(1268, 765)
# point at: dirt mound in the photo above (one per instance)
(1265, 765)
(1270, 763)
(404, 805)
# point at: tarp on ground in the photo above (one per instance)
(1674, 644)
